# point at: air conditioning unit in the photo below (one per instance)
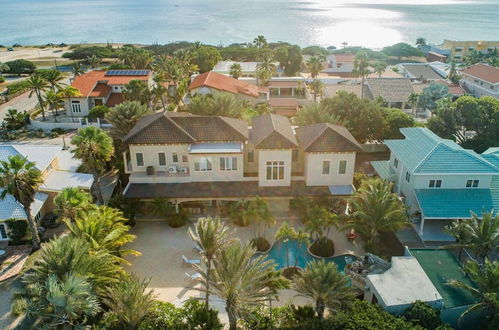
(184, 170)
(172, 169)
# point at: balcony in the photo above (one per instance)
(160, 176)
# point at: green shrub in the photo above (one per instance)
(21, 67)
(17, 229)
(18, 87)
(424, 315)
(98, 111)
(178, 220)
(2, 79)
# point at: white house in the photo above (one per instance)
(58, 169)
(439, 180)
(212, 159)
(481, 80)
(339, 64)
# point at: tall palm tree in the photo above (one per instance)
(481, 236)
(211, 236)
(260, 42)
(265, 67)
(319, 222)
(236, 70)
(159, 93)
(130, 301)
(69, 92)
(361, 69)
(137, 90)
(60, 303)
(285, 233)
(486, 290)
(54, 78)
(71, 202)
(317, 88)
(301, 238)
(124, 116)
(261, 217)
(77, 69)
(453, 75)
(37, 84)
(375, 209)
(20, 179)
(325, 284)
(94, 61)
(314, 113)
(379, 68)
(53, 101)
(315, 66)
(94, 148)
(242, 280)
(413, 100)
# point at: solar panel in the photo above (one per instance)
(127, 73)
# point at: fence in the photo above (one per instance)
(67, 125)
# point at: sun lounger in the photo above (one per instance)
(194, 277)
(190, 261)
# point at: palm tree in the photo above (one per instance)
(69, 92)
(319, 222)
(379, 68)
(236, 70)
(285, 233)
(54, 78)
(315, 113)
(242, 280)
(57, 303)
(301, 237)
(375, 209)
(124, 116)
(137, 90)
(94, 61)
(315, 66)
(211, 236)
(260, 42)
(37, 84)
(20, 178)
(317, 88)
(325, 284)
(14, 119)
(261, 216)
(71, 202)
(413, 100)
(361, 69)
(486, 290)
(420, 42)
(53, 101)
(77, 69)
(481, 236)
(159, 93)
(453, 75)
(130, 301)
(265, 67)
(94, 148)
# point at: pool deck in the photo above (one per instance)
(162, 248)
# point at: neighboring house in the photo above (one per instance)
(287, 87)
(101, 88)
(440, 181)
(434, 56)
(58, 169)
(422, 71)
(212, 82)
(454, 89)
(284, 106)
(460, 49)
(212, 160)
(248, 69)
(332, 90)
(481, 80)
(395, 91)
(339, 65)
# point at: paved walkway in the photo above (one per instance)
(22, 103)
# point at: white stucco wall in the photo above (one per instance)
(84, 105)
(274, 155)
(313, 169)
(151, 157)
(216, 174)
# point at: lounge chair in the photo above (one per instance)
(190, 261)
(193, 277)
(197, 248)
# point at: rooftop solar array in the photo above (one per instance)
(127, 73)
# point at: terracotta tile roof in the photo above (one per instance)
(484, 72)
(87, 81)
(390, 89)
(182, 128)
(283, 102)
(222, 189)
(326, 138)
(272, 131)
(344, 58)
(114, 99)
(100, 90)
(224, 83)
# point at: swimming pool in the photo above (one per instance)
(299, 256)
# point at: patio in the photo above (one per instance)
(162, 248)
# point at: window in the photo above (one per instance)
(162, 159)
(184, 159)
(251, 156)
(175, 157)
(459, 49)
(326, 166)
(115, 88)
(275, 170)
(203, 165)
(343, 167)
(407, 177)
(75, 106)
(228, 163)
(3, 231)
(471, 49)
(472, 183)
(435, 184)
(140, 159)
(294, 155)
(396, 163)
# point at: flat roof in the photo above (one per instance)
(441, 266)
(404, 283)
(58, 180)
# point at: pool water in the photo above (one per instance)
(299, 256)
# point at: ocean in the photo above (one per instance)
(370, 23)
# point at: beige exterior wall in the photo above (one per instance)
(460, 49)
(151, 158)
(479, 87)
(84, 106)
(314, 164)
(274, 155)
(216, 174)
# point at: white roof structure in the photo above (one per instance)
(215, 148)
(404, 283)
(66, 162)
(58, 180)
(224, 66)
(11, 209)
(41, 155)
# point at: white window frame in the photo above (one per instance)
(407, 176)
(204, 164)
(137, 159)
(276, 168)
(162, 154)
(472, 183)
(174, 158)
(328, 162)
(345, 169)
(76, 106)
(435, 183)
(228, 163)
